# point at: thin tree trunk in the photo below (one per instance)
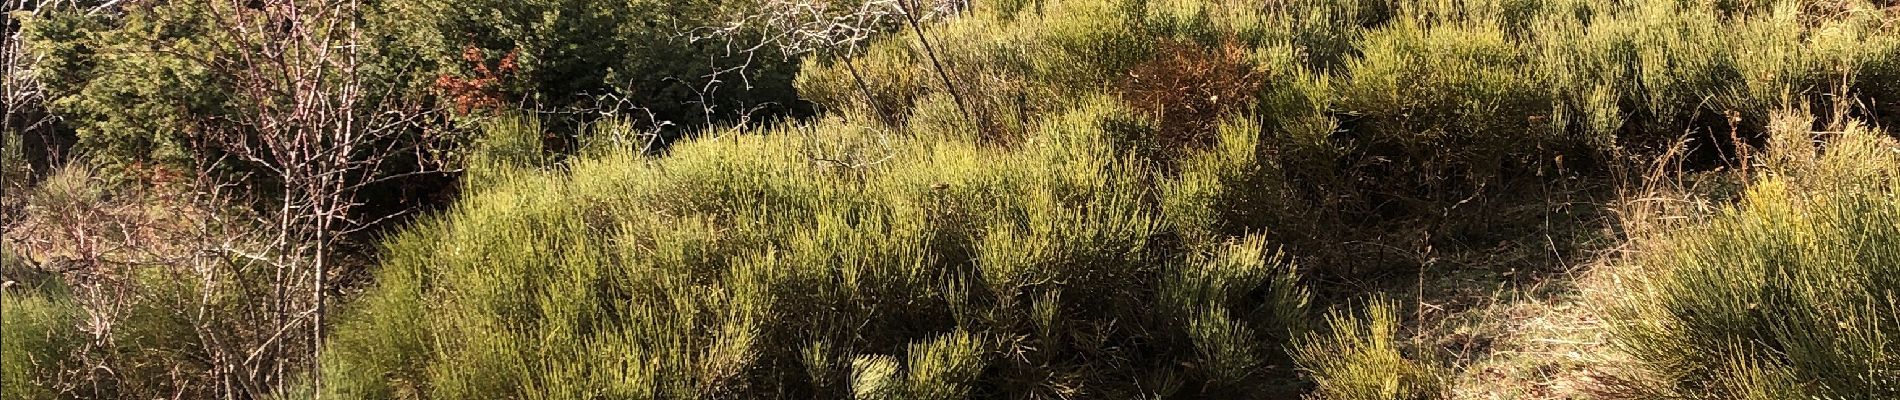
(857, 78)
(316, 325)
(910, 15)
(281, 301)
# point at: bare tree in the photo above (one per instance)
(310, 125)
(840, 27)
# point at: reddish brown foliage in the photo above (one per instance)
(480, 89)
(1190, 87)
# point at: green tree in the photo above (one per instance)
(669, 57)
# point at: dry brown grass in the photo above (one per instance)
(1545, 342)
(1549, 338)
(1525, 319)
(87, 223)
(159, 268)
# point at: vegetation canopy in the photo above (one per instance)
(947, 199)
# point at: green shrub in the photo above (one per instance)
(887, 69)
(823, 261)
(1326, 33)
(129, 86)
(1011, 65)
(1359, 359)
(1374, 101)
(1456, 101)
(1085, 43)
(1230, 189)
(1861, 50)
(1087, 213)
(1790, 293)
(1641, 73)
(143, 84)
(504, 145)
(162, 303)
(61, 347)
(943, 368)
(39, 340)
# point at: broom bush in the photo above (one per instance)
(1789, 294)
(826, 261)
(1052, 199)
(38, 337)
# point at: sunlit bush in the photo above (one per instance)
(1789, 294)
(1359, 358)
(39, 337)
(1454, 101)
(825, 261)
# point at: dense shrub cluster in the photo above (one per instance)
(1022, 199)
(129, 86)
(139, 83)
(1456, 92)
(832, 261)
(590, 54)
(1036, 225)
(1790, 294)
(1373, 112)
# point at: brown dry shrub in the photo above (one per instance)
(481, 88)
(163, 276)
(1189, 87)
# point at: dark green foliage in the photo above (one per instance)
(145, 84)
(130, 86)
(578, 53)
